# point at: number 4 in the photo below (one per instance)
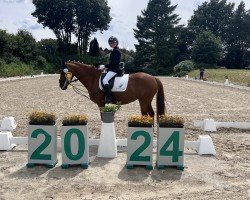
(175, 153)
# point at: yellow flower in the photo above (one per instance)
(140, 121)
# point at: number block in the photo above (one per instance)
(170, 147)
(42, 145)
(75, 148)
(140, 147)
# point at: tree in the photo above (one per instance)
(81, 17)
(48, 46)
(156, 34)
(214, 16)
(238, 42)
(185, 40)
(57, 16)
(207, 48)
(94, 48)
(7, 44)
(91, 16)
(26, 46)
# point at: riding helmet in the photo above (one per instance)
(113, 39)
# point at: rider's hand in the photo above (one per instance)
(101, 67)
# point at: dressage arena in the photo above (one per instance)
(224, 176)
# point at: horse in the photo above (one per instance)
(141, 86)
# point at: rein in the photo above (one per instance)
(79, 91)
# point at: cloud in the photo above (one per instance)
(29, 24)
(14, 1)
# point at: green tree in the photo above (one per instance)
(214, 16)
(238, 42)
(57, 16)
(185, 40)
(156, 34)
(207, 48)
(7, 45)
(81, 17)
(94, 48)
(26, 49)
(91, 16)
(48, 46)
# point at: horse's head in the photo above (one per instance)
(66, 76)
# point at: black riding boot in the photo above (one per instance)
(108, 96)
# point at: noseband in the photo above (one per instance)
(68, 76)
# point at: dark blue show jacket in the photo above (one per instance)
(114, 60)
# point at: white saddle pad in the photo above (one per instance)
(120, 84)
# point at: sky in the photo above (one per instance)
(16, 14)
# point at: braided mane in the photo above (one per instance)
(81, 64)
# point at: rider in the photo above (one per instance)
(113, 67)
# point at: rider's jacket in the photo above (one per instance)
(114, 60)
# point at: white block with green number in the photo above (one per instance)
(140, 146)
(42, 145)
(75, 148)
(170, 147)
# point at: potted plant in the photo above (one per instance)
(140, 141)
(170, 142)
(42, 139)
(74, 139)
(108, 112)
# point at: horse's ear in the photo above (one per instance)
(63, 65)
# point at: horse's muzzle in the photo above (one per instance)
(63, 84)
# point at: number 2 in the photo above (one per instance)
(37, 153)
(136, 155)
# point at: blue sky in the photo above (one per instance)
(16, 14)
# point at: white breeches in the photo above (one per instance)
(108, 76)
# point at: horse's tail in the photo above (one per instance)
(160, 99)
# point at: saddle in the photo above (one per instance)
(120, 73)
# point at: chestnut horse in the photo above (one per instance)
(141, 86)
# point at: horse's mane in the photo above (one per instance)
(81, 64)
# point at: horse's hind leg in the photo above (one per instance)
(144, 108)
(151, 112)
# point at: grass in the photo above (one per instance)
(235, 76)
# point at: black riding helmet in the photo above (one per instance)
(113, 39)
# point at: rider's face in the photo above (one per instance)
(113, 44)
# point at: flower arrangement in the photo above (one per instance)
(140, 121)
(171, 121)
(42, 118)
(110, 108)
(72, 120)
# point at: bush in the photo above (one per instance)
(75, 120)
(42, 118)
(140, 121)
(14, 69)
(182, 68)
(171, 121)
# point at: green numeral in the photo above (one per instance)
(67, 144)
(175, 153)
(37, 153)
(136, 155)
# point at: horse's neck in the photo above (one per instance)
(89, 77)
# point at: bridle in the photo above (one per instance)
(69, 80)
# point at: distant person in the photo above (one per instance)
(202, 72)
